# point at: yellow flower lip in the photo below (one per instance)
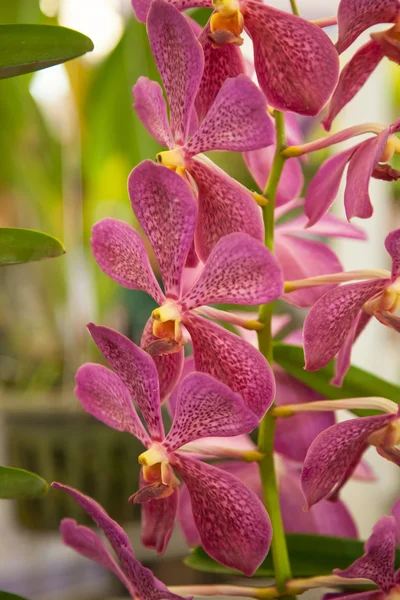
(171, 158)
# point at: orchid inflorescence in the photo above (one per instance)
(218, 243)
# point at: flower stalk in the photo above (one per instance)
(267, 426)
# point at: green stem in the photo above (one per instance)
(267, 426)
(295, 10)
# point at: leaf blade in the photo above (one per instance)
(19, 245)
(25, 48)
(18, 483)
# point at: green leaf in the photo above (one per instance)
(25, 245)
(17, 483)
(25, 48)
(9, 596)
(357, 383)
(310, 555)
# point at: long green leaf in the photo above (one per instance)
(357, 383)
(309, 555)
(9, 596)
(25, 245)
(25, 48)
(17, 483)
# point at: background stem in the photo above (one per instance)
(295, 10)
(267, 426)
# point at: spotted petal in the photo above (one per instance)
(324, 187)
(355, 16)
(120, 253)
(166, 210)
(343, 359)
(377, 564)
(237, 120)
(296, 63)
(104, 396)
(232, 522)
(158, 520)
(334, 454)
(225, 206)
(392, 245)
(141, 7)
(331, 318)
(353, 77)
(219, 64)
(206, 407)
(361, 166)
(232, 361)
(240, 270)
(136, 370)
(180, 61)
(151, 108)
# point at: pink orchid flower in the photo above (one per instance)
(139, 581)
(287, 50)
(366, 159)
(354, 17)
(335, 453)
(377, 565)
(237, 119)
(204, 407)
(339, 317)
(239, 270)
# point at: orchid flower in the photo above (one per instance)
(367, 159)
(139, 581)
(239, 270)
(335, 453)
(327, 518)
(237, 120)
(296, 64)
(377, 565)
(205, 407)
(339, 317)
(354, 17)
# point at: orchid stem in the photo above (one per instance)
(295, 10)
(267, 426)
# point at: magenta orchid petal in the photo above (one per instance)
(388, 319)
(104, 396)
(377, 563)
(354, 17)
(289, 50)
(344, 355)
(88, 544)
(232, 361)
(120, 253)
(166, 210)
(219, 64)
(330, 319)
(158, 520)
(295, 435)
(136, 370)
(225, 206)
(328, 226)
(392, 245)
(179, 58)
(361, 166)
(259, 163)
(169, 366)
(206, 407)
(240, 270)
(353, 77)
(151, 109)
(186, 519)
(325, 518)
(324, 187)
(301, 258)
(334, 454)
(237, 120)
(232, 522)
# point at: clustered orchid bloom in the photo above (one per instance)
(204, 407)
(239, 270)
(354, 17)
(217, 243)
(296, 63)
(237, 120)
